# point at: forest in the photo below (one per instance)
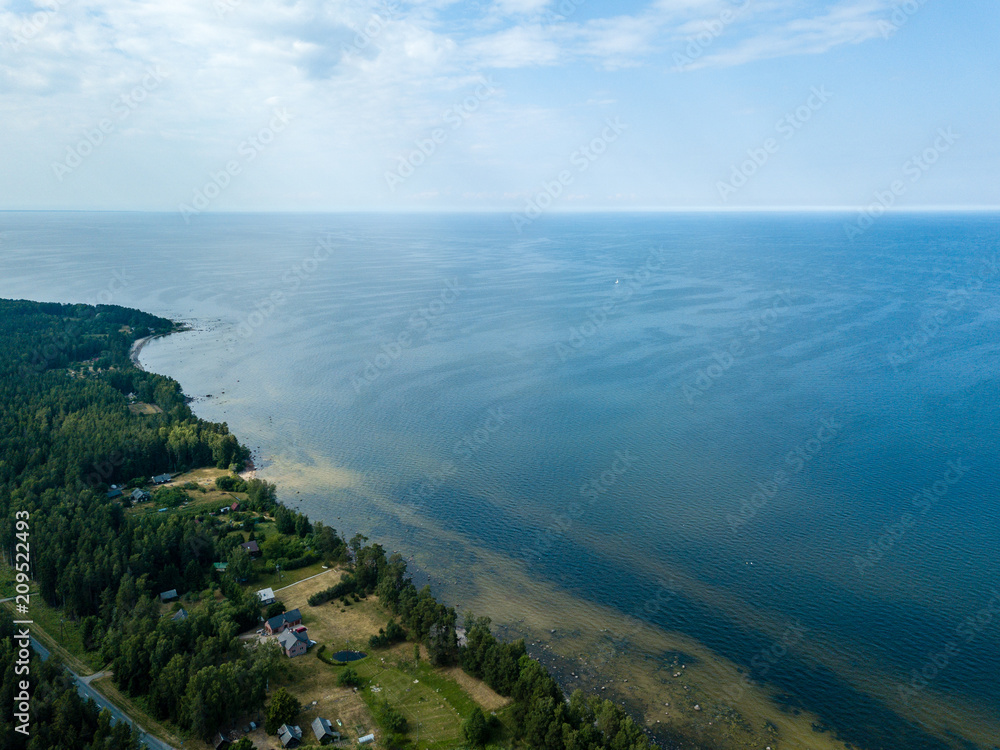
(67, 433)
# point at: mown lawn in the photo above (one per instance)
(288, 577)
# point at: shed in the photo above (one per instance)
(366, 739)
(290, 736)
(180, 614)
(324, 732)
(139, 496)
(219, 742)
(266, 596)
(252, 548)
(113, 493)
(161, 478)
(168, 596)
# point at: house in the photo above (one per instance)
(114, 492)
(366, 739)
(294, 642)
(234, 507)
(168, 596)
(266, 596)
(220, 567)
(180, 614)
(161, 479)
(289, 736)
(282, 622)
(140, 496)
(219, 742)
(252, 548)
(323, 730)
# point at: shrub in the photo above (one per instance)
(387, 717)
(230, 484)
(349, 678)
(337, 591)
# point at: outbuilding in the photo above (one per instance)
(289, 736)
(324, 732)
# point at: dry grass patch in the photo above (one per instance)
(311, 680)
(141, 408)
(478, 690)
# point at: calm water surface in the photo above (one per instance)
(792, 431)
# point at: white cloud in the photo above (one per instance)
(518, 47)
(846, 23)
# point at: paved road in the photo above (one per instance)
(86, 691)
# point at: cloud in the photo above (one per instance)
(517, 47)
(843, 24)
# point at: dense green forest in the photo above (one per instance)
(67, 433)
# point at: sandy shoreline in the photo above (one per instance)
(139, 344)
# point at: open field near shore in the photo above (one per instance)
(434, 701)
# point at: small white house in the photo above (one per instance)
(266, 596)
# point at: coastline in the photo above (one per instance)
(596, 662)
(139, 344)
(618, 666)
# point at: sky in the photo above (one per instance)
(510, 105)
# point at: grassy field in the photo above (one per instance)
(141, 408)
(434, 701)
(61, 638)
(211, 499)
(291, 577)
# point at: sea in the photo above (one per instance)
(735, 471)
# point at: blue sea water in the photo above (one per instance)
(798, 424)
